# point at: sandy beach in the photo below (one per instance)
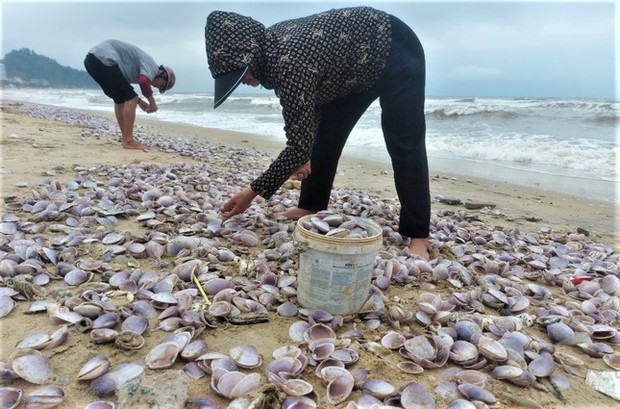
(39, 153)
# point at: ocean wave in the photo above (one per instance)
(574, 137)
(605, 119)
(450, 112)
(579, 157)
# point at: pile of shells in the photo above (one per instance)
(334, 224)
(495, 305)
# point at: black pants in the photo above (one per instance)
(400, 90)
(110, 79)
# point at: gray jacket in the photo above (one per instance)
(131, 60)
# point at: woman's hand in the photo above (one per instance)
(238, 203)
(303, 172)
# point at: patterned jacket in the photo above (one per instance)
(308, 62)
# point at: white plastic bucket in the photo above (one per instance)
(334, 273)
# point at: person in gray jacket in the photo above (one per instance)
(115, 65)
(326, 70)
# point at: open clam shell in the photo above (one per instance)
(298, 402)
(415, 395)
(217, 284)
(560, 333)
(602, 332)
(378, 388)
(89, 309)
(612, 360)
(94, 368)
(163, 300)
(516, 341)
(106, 320)
(103, 335)
(292, 386)
(492, 349)
(327, 363)
(410, 367)
(246, 356)
(525, 379)
(319, 331)
(10, 398)
(466, 328)
(220, 308)
(163, 355)
(101, 404)
(297, 330)
(393, 340)
(463, 352)
(472, 376)
(78, 276)
(234, 384)
(542, 366)
(35, 341)
(340, 383)
(108, 383)
(33, 368)
(321, 349)
(287, 309)
(286, 351)
(461, 404)
(6, 373)
(181, 337)
(596, 349)
(285, 365)
(61, 315)
(135, 323)
(194, 349)
(345, 355)
(610, 283)
(473, 392)
(45, 398)
(420, 346)
(507, 372)
(6, 305)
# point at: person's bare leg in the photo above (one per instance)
(118, 112)
(419, 247)
(126, 117)
(295, 213)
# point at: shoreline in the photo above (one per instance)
(509, 205)
(536, 176)
(587, 188)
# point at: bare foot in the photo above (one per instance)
(419, 247)
(135, 145)
(296, 213)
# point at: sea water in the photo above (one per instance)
(564, 145)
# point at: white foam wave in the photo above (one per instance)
(565, 137)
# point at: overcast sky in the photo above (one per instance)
(482, 48)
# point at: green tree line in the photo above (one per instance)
(28, 66)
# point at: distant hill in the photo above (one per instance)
(24, 67)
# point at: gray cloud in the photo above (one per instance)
(484, 48)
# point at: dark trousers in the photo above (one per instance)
(110, 79)
(400, 90)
